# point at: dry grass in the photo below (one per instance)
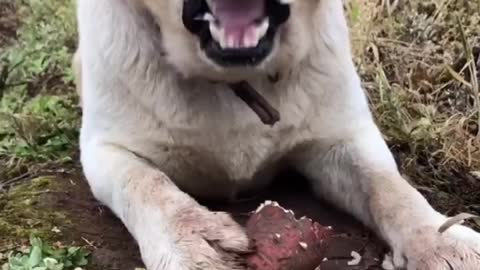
(419, 61)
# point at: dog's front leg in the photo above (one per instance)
(173, 231)
(358, 174)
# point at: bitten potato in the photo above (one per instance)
(283, 242)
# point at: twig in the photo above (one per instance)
(89, 243)
(267, 114)
(16, 179)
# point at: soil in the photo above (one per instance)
(113, 248)
(8, 21)
(92, 225)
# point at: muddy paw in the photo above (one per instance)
(448, 256)
(210, 240)
(430, 249)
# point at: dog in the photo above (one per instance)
(161, 127)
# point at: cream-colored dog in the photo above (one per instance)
(160, 124)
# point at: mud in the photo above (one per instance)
(94, 226)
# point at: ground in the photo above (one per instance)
(419, 62)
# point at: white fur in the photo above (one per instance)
(155, 128)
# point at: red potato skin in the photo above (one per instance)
(277, 236)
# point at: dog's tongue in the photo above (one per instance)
(237, 16)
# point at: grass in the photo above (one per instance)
(41, 256)
(39, 121)
(39, 116)
(419, 62)
(25, 212)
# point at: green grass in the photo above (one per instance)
(39, 122)
(41, 256)
(39, 116)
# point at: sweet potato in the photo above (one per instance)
(282, 242)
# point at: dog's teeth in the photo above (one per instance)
(231, 41)
(251, 38)
(237, 43)
(223, 42)
(216, 32)
(248, 41)
(209, 17)
(211, 4)
(261, 31)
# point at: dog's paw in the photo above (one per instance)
(428, 249)
(210, 240)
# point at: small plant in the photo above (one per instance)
(39, 116)
(45, 128)
(45, 257)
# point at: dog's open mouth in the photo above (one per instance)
(236, 32)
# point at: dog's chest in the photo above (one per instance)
(208, 162)
(218, 144)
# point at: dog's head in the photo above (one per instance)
(230, 39)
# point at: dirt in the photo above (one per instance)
(94, 226)
(8, 21)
